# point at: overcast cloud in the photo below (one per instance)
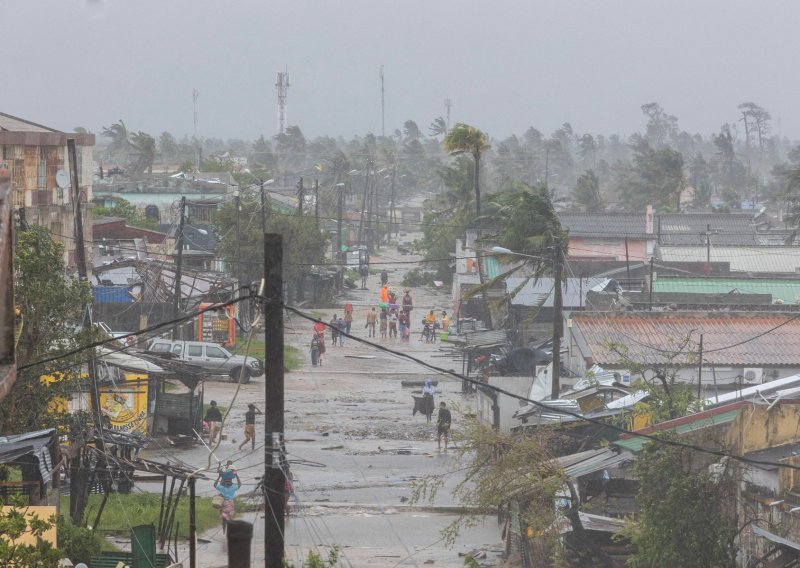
(506, 65)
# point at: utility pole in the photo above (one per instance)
(700, 368)
(627, 261)
(79, 476)
(377, 234)
(338, 255)
(364, 200)
(558, 321)
(650, 300)
(316, 201)
(274, 476)
(192, 524)
(178, 272)
(300, 197)
(263, 209)
(383, 108)
(447, 104)
(391, 213)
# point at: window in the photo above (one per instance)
(195, 351)
(215, 352)
(160, 348)
(177, 349)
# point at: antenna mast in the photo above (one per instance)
(447, 104)
(282, 85)
(195, 95)
(383, 107)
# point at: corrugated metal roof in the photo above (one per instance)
(729, 338)
(10, 123)
(754, 259)
(788, 291)
(605, 224)
(635, 443)
(584, 463)
(690, 228)
(540, 292)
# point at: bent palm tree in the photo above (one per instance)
(466, 139)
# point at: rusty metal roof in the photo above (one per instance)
(729, 338)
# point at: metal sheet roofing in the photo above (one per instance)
(690, 229)
(787, 291)
(10, 123)
(635, 443)
(605, 224)
(540, 292)
(729, 338)
(753, 259)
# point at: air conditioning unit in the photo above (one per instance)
(752, 374)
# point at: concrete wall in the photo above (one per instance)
(611, 248)
(508, 405)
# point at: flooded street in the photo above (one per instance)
(354, 448)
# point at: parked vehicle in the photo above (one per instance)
(210, 356)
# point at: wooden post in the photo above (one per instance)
(178, 273)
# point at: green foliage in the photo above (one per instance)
(466, 139)
(654, 178)
(315, 560)
(126, 210)
(79, 544)
(657, 375)
(51, 305)
(416, 278)
(685, 516)
(14, 524)
(586, 194)
(496, 468)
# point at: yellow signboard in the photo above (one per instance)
(126, 404)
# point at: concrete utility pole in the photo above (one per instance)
(178, 272)
(263, 209)
(274, 476)
(364, 200)
(282, 85)
(558, 322)
(300, 197)
(316, 201)
(391, 213)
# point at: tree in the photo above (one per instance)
(755, 119)
(167, 147)
(125, 209)
(120, 145)
(586, 194)
(685, 516)
(51, 306)
(17, 523)
(144, 149)
(660, 126)
(466, 139)
(438, 127)
(655, 178)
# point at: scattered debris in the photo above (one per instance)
(333, 448)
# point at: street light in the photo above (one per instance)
(558, 318)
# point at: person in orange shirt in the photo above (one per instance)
(385, 294)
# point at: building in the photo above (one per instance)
(739, 348)
(756, 259)
(37, 163)
(610, 236)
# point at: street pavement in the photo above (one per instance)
(354, 448)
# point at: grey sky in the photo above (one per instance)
(506, 65)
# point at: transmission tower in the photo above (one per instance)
(195, 95)
(282, 85)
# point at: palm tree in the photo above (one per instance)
(438, 126)
(144, 148)
(466, 139)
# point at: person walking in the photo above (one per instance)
(341, 325)
(372, 319)
(445, 322)
(334, 330)
(227, 486)
(385, 294)
(402, 323)
(384, 319)
(320, 347)
(214, 419)
(443, 425)
(314, 350)
(364, 271)
(393, 324)
(250, 426)
(408, 305)
(348, 320)
(384, 277)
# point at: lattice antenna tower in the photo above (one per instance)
(282, 84)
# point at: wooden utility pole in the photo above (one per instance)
(192, 525)
(263, 209)
(300, 197)
(700, 368)
(178, 272)
(391, 213)
(558, 321)
(650, 299)
(274, 477)
(316, 201)
(364, 201)
(337, 257)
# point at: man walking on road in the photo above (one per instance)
(443, 425)
(372, 318)
(214, 419)
(250, 425)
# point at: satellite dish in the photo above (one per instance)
(62, 179)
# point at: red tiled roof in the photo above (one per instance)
(735, 339)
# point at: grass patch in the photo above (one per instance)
(291, 355)
(125, 511)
